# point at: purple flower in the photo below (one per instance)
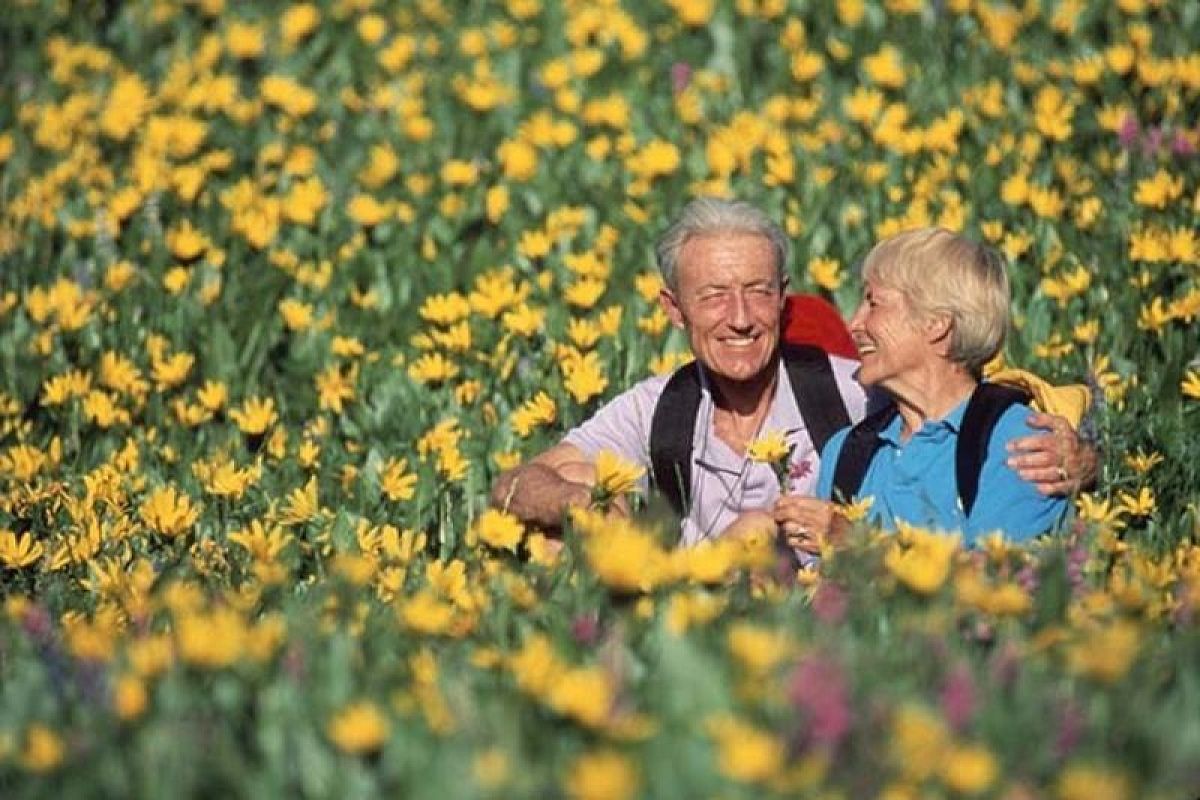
(1070, 729)
(681, 76)
(1127, 135)
(800, 469)
(818, 688)
(1181, 144)
(585, 629)
(957, 697)
(829, 603)
(1152, 141)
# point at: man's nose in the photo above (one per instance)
(738, 310)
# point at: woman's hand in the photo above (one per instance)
(806, 522)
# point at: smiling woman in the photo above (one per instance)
(934, 311)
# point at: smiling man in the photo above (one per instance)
(723, 265)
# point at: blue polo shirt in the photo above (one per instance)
(914, 481)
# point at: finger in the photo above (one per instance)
(1038, 442)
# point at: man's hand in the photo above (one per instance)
(1056, 462)
(807, 522)
(541, 491)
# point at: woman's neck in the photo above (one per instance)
(931, 395)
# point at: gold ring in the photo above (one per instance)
(1062, 473)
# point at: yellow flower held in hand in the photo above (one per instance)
(769, 448)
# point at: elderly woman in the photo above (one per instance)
(934, 311)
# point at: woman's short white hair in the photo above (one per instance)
(709, 215)
(942, 273)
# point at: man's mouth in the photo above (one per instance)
(739, 341)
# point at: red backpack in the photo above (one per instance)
(811, 319)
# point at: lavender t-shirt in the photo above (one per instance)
(724, 484)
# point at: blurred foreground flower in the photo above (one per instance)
(499, 529)
(602, 775)
(359, 728)
(921, 559)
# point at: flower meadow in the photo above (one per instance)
(283, 287)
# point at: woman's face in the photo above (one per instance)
(892, 341)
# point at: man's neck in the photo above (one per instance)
(745, 398)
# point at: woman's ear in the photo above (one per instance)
(938, 328)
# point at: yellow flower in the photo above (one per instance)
(537, 411)
(969, 769)
(623, 556)
(302, 504)
(255, 415)
(168, 512)
(129, 697)
(745, 753)
(367, 211)
(856, 511)
(826, 273)
(918, 741)
(1190, 385)
(1158, 191)
(602, 775)
(18, 552)
(395, 481)
(244, 40)
(584, 694)
(616, 476)
(359, 728)
(1086, 782)
(499, 529)
(43, 749)
(335, 387)
(1142, 504)
(185, 242)
(769, 448)
(1105, 653)
(921, 559)
(885, 67)
(456, 172)
(210, 639)
(298, 22)
(584, 377)
(756, 648)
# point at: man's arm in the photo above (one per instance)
(1057, 462)
(541, 491)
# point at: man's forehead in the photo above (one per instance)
(728, 249)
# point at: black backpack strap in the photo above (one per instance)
(857, 451)
(671, 431)
(817, 395)
(988, 403)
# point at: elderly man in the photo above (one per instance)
(723, 266)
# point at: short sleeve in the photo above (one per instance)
(1006, 502)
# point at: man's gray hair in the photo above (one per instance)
(709, 215)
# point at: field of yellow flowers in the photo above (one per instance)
(284, 286)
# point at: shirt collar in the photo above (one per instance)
(952, 422)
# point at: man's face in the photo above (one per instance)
(729, 301)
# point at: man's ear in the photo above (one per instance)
(670, 306)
